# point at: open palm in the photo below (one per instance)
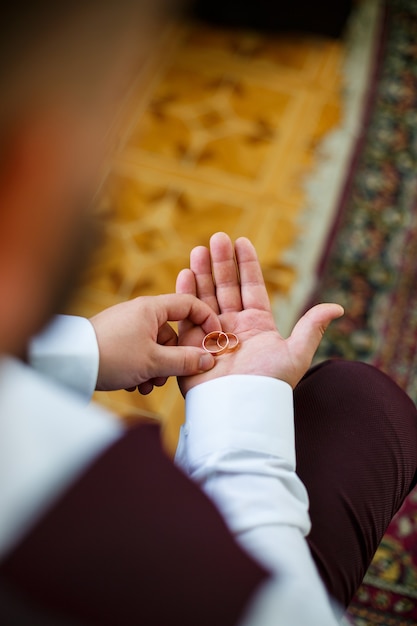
(229, 278)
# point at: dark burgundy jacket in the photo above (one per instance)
(133, 541)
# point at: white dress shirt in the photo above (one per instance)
(237, 443)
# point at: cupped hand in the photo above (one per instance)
(229, 279)
(138, 348)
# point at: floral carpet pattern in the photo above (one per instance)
(388, 595)
(372, 271)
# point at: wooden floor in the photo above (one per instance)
(226, 127)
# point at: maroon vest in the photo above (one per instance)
(131, 542)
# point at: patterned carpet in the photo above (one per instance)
(226, 129)
(388, 596)
(372, 271)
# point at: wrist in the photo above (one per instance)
(252, 412)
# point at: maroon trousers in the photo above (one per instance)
(356, 441)
(133, 541)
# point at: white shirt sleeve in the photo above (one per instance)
(67, 352)
(238, 445)
(48, 438)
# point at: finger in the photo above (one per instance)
(186, 285)
(183, 361)
(160, 381)
(200, 264)
(130, 389)
(167, 336)
(252, 285)
(225, 273)
(309, 331)
(145, 388)
(179, 307)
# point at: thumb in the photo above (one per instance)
(182, 361)
(309, 331)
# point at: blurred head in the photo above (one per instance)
(63, 69)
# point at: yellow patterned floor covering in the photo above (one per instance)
(225, 133)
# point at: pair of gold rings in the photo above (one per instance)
(218, 342)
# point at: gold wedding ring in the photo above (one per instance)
(233, 342)
(218, 342)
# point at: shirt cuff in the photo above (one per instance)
(253, 413)
(67, 352)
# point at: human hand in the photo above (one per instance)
(243, 308)
(138, 348)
